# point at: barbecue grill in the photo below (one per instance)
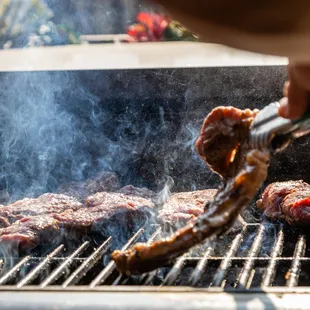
(261, 265)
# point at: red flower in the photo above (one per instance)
(149, 27)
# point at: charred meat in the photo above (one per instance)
(222, 144)
(289, 201)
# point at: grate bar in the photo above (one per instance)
(143, 277)
(226, 263)
(200, 268)
(55, 275)
(34, 272)
(246, 272)
(270, 272)
(296, 263)
(147, 278)
(12, 273)
(175, 270)
(81, 271)
(106, 272)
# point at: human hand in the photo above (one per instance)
(296, 92)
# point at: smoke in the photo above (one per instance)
(50, 134)
(165, 193)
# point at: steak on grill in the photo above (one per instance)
(103, 182)
(289, 201)
(104, 214)
(185, 206)
(104, 209)
(137, 191)
(45, 204)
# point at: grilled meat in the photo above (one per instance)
(105, 209)
(244, 171)
(137, 191)
(221, 139)
(45, 204)
(103, 182)
(31, 231)
(183, 207)
(289, 201)
(104, 214)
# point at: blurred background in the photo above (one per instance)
(26, 23)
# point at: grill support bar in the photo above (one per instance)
(247, 269)
(104, 274)
(271, 268)
(57, 272)
(296, 263)
(34, 273)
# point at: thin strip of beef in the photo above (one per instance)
(273, 197)
(45, 204)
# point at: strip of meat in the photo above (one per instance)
(247, 169)
(45, 204)
(222, 213)
(104, 214)
(273, 195)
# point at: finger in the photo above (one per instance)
(285, 88)
(297, 90)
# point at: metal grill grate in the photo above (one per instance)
(260, 256)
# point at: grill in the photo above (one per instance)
(250, 259)
(262, 265)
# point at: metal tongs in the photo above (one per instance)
(271, 131)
